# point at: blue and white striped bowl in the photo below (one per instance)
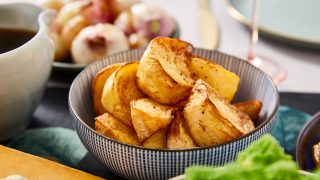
(135, 162)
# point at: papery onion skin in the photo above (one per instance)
(97, 41)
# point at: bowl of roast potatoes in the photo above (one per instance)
(149, 113)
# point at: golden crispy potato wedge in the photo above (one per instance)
(149, 116)
(178, 137)
(174, 55)
(98, 85)
(251, 108)
(157, 84)
(157, 140)
(211, 119)
(120, 88)
(111, 127)
(181, 105)
(228, 111)
(224, 82)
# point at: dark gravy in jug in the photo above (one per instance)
(12, 38)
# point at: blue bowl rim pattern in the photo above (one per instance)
(271, 117)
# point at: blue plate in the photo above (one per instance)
(291, 21)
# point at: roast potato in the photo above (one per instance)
(316, 154)
(178, 113)
(181, 105)
(163, 73)
(98, 85)
(120, 88)
(178, 137)
(251, 108)
(157, 84)
(211, 119)
(224, 82)
(149, 116)
(111, 127)
(239, 120)
(174, 55)
(157, 140)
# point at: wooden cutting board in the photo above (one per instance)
(13, 162)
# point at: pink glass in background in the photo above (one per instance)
(269, 66)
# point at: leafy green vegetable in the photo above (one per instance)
(283, 169)
(262, 152)
(229, 172)
(263, 159)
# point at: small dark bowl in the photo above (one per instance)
(308, 136)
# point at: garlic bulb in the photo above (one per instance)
(97, 41)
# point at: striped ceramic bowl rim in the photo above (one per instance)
(136, 162)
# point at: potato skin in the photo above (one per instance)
(157, 84)
(206, 126)
(98, 85)
(224, 82)
(174, 55)
(157, 140)
(111, 127)
(177, 136)
(208, 120)
(251, 108)
(239, 120)
(149, 116)
(119, 90)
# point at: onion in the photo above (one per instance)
(69, 11)
(96, 42)
(124, 5)
(100, 11)
(51, 4)
(68, 1)
(151, 21)
(72, 28)
(124, 22)
(61, 50)
(137, 40)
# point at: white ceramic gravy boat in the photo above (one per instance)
(25, 70)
